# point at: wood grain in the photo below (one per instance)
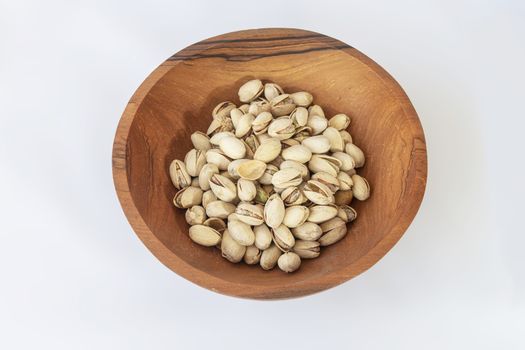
(177, 99)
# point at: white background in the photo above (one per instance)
(74, 276)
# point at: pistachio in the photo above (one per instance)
(204, 235)
(223, 109)
(216, 224)
(233, 167)
(266, 178)
(339, 121)
(263, 237)
(188, 197)
(272, 90)
(220, 124)
(326, 179)
(322, 213)
(316, 110)
(179, 175)
(283, 238)
(307, 249)
(298, 153)
(333, 231)
(288, 177)
(251, 143)
(195, 215)
(223, 187)
(274, 211)
(258, 106)
(303, 170)
(289, 262)
(217, 157)
(269, 257)
(244, 125)
(217, 138)
(337, 143)
(299, 116)
(200, 141)
(235, 116)
(219, 209)
(346, 213)
(302, 99)
(261, 123)
(251, 170)
(293, 196)
(230, 249)
(261, 196)
(289, 143)
(308, 231)
(246, 190)
(295, 216)
(344, 197)
(281, 128)
(327, 164)
(252, 255)
(317, 123)
(345, 135)
(361, 188)
(241, 232)
(356, 153)
(347, 162)
(208, 197)
(250, 90)
(251, 214)
(345, 181)
(263, 137)
(281, 105)
(318, 193)
(268, 150)
(317, 144)
(233, 147)
(194, 161)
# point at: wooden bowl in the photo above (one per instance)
(177, 99)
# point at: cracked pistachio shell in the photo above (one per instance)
(200, 141)
(283, 238)
(317, 144)
(345, 135)
(289, 262)
(339, 121)
(258, 106)
(293, 196)
(223, 187)
(234, 166)
(251, 144)
(333, 231)
(219, 209)
(317, 123)
(217, 138)
(220, 124)
(337, 143)
(343, 197)
(266, 178)
(307, 249)
(326, 179)
(194, 161)
(298, 153)
(250, 90)
(263, 237)
(302, 98)
(281, 105)
(269, 257)
(208, 197)
(327, 164)
(216, 224)
(252, 255)
(356, 153)
(272, 90)
(361, 188)
(345, 181)
(246, 190)
(204, 235)
(318, 193)
(205, 175)
(251, 169)
(230, 249)
(188, 197)
(288, 177)
(223, 109)
(217, 157)
(244, 125)
(251, 214)
(268, 150)
(303, 170)
(322, 213)
(195, 215)
(281, 128)
(295, 216)
(308, 231)
(299, 116)
(235, 116)
(346, 213)
(261, 195)
(241, 232)
(316, 110)
(347, 162)
(233, 147)
(179, 175)
(261, 123)
(274, 211)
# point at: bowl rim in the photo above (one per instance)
(418, 166)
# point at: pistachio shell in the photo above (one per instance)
(250, 90)
(339, 121)
(217, 138)
(251, 170)
(337, 143)
(274, 211)
(223, 109)
(200, 141)
(266, 178)
(246, 190)
(244, 125)
(216, 224)
(261, 123)
(287, 177)
(317, 123)
(307, 249)
(346, 213)
(208, 197)
(195, 215)
(244, 108)
(251, 143)
(223, 187)
(322, 213)
(230, 249)
(219, 209)
(327, 164)
(272, 90)
(326, 179)
(205, 175)
(295, 216)
(299, 153)
(241, 232)
(179, 175)
(233, 147)
(333, 231)
(289, 143)
(235, 116)
(252, 255)
(268, 150)
(356, 153)
(263, 137)
(281, 128)
(251, 214)
(233, 167)
(293, 196)
(263, 236)
(317, 144)
(269, 257)
(258, 106)
(283, 238)
(303, 170)
(299, 116)
(188, 197)
(345, 181)
(316, 110)
(318, 193)
(343, 197)
(261, 196)
(281, 105)
(308, 231)
(345, 135)
(204, 235)
(220, 124)
(289, 262)
(347, 162)
(217, 157)
(361, 188)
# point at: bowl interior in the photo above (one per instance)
(181, 101)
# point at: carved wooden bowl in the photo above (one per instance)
(177, 99)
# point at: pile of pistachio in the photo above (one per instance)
(271, 180)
